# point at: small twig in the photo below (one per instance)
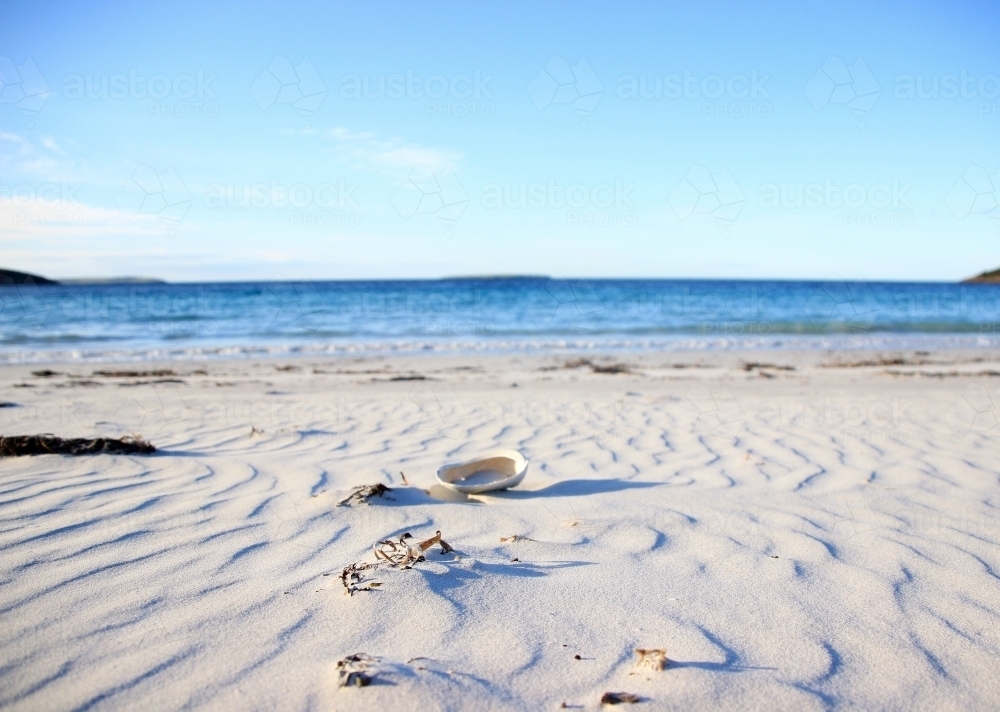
(363, 493)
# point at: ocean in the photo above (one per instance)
(179, 321)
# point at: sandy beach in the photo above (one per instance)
(798, 531)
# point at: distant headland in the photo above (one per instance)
(10, 276)
(991, 277)
(13, 277)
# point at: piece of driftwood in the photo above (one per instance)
(22, 445)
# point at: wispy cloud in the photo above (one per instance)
(394, 156)
(56, 220)
(44, 158)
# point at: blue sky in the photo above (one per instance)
(202, 141)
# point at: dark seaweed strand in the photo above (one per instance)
(26, 445)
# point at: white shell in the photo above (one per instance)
(496, 470)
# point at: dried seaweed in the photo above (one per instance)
(597, 368)
(618, 698)
(398, 553)
(157, 373)
(128, 384)
(751, 365)
(402, 555)
(356, 670)
(881, 361)
(946, 374)
(22, 445)
(353, 577)
(611, 368)
(655, 658)
(363, 493)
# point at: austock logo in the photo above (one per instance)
(601, 204)
(701, 192)
(838, 305)
(23, 86)
(975, 411)
(24, 306)
(189, 94)
(284, 303)
(61, 415)
(975, 193)
(432, 408)
(573, 302)
(457, 91)
(559, 83)
(162, 195)
(744, 95)
(281, 83)
(150, 408)
(437, 193)
(852, 86)
(47, 203)
(704, 413)
(323, 205)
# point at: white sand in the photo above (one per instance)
(786, 559)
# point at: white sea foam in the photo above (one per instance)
(870, 341)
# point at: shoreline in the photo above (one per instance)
(681, 344)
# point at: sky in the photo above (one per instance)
(258, 141)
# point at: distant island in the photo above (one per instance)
(991, 277)
(494, 277)
(113, 280)
(14, 277)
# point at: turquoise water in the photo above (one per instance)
(96, 322)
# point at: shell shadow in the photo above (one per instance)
(574, 488)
